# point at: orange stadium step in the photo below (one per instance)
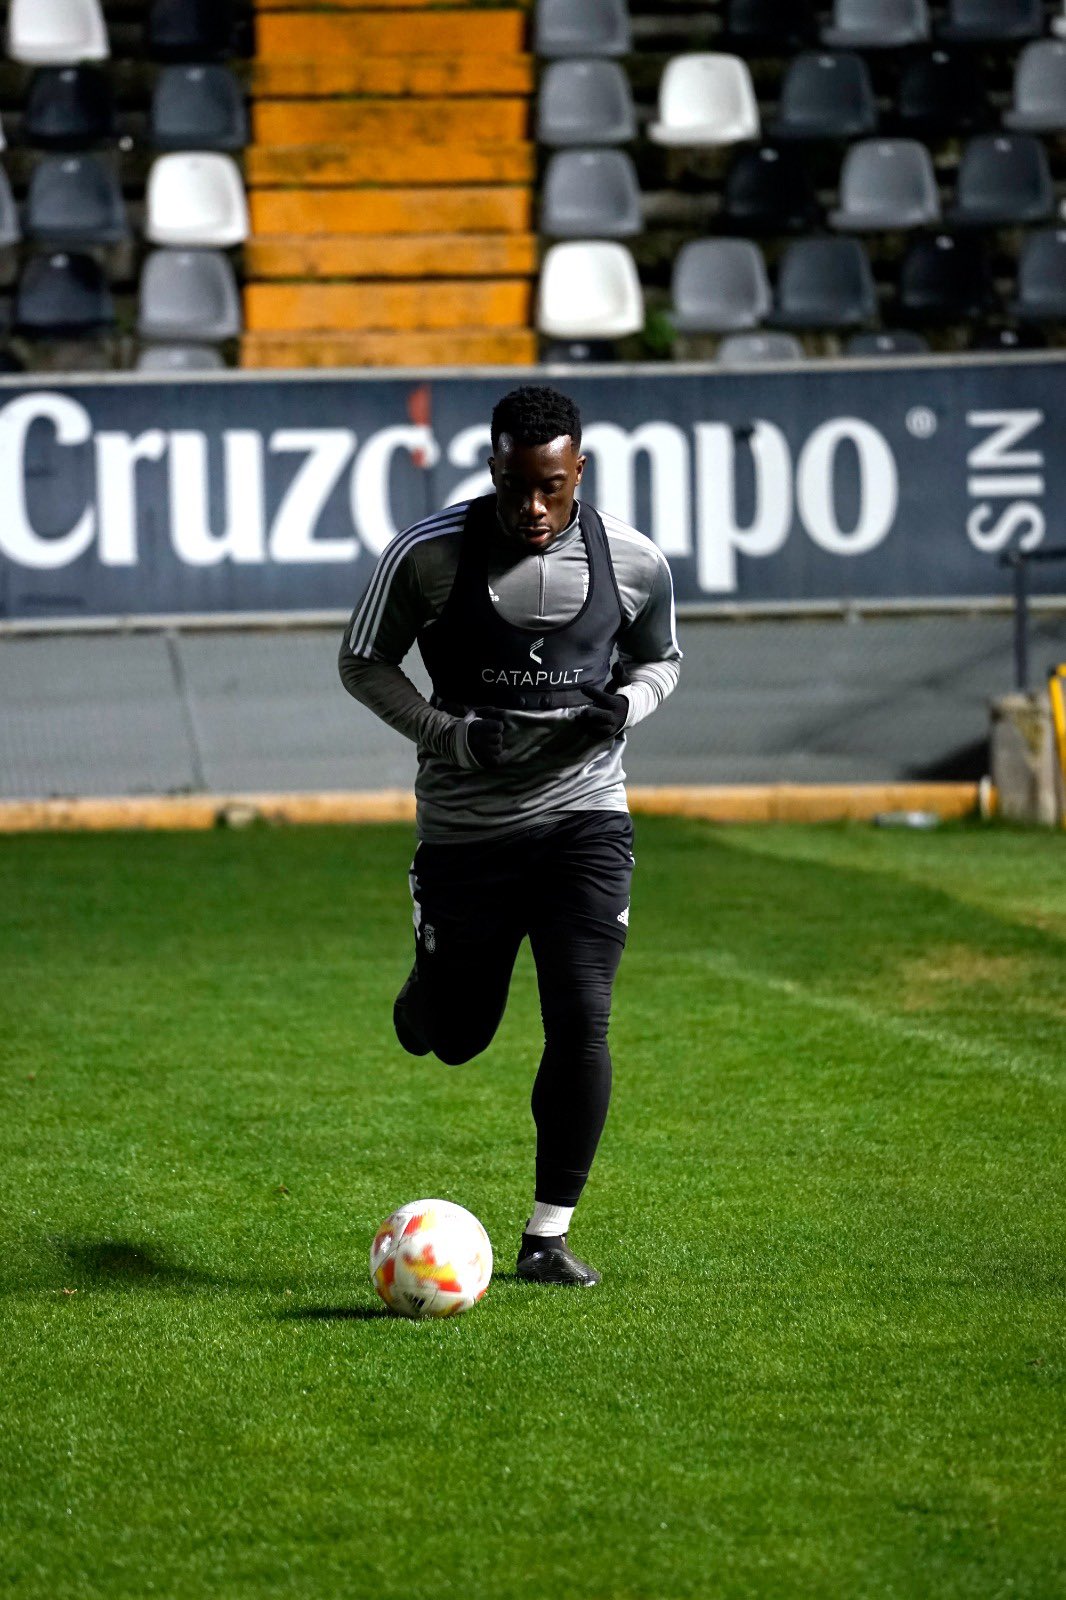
(399, 75)
(370, 255)
(354, 307)
(424, 119)
(502, 347)
(331, 165)
(372, 5)
(318, 35)
(460, 210)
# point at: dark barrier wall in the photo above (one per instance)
(264, 495)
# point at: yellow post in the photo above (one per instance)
(1057, 693)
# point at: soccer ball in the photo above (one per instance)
(431, 1259)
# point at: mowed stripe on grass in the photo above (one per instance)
(826, 1356)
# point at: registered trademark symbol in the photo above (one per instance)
(921, 422)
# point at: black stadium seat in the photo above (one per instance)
(877, 24)
(1004, 180)
(62, 295)
(890, 342)
(75, 200)
(772, 26)
(1042, 278)
(941, 95)
(69, 108)
(767, 190)
(978, 21)
(198, 108)
(190, 30)
(945, 280)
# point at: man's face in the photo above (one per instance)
(535, 486)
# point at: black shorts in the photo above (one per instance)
(565, 885)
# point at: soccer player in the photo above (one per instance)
(547, 629)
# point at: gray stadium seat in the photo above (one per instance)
(1039, 101)
(826, 96)
(877, 24)
(1042, 278)
(585, 102)
(198, 108)
(592, 28)
(1004, 179)
(886, 183)
(10, 231)
(974, 21)
(69, 108)
(758, 349)
(75, 200)
(179, 358)
(590, 194)
(62, 295)
(825, 283)
(892, 342)
(188, 294)
(719, 286)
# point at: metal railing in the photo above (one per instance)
(1019, 562)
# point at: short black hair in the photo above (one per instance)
(535, 415)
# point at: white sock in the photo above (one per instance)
(549, 1221)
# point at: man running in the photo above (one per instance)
(547, 629)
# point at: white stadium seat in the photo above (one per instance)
(196, 198)
(589, 290)
(45, 33)
(706, 100)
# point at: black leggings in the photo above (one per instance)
(566, 886)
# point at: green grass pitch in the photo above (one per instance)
(826, 1358)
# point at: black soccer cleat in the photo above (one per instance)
(406, 1029)
(552, 1261)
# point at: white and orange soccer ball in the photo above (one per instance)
(431, 1258)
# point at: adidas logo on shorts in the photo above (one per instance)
(623, 917)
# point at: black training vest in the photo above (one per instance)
(476, 657)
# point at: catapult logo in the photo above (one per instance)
(533, 656)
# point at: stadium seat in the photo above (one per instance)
(886, 183)
(62, 295)
(892, 342)
(577, 352)
(1058, 24)
(69, 108)
(585, 102)
(179, 358)
(769, 191)
(719, 286)
(977, 21)
(44, 33)
(10, 231)
(945, 280)
(195, 198)
(942, 95)
(589, 290)
(758, 349)
(1039, 101)
(1000, 340)
(825, 283)
(198, 108)
(75, 200)
(1004, 179)
(1042, 278)
(10, 362)
(593, 28)
(189, 30)
(771, 26)
(826, 97)
(188, 294)
(590, 194)
(706, 100)
(877, 24)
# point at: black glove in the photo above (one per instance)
(607, 714)
(484, 737)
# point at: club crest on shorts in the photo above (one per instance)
(429, 939)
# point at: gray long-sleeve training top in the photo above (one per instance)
(552, 766)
